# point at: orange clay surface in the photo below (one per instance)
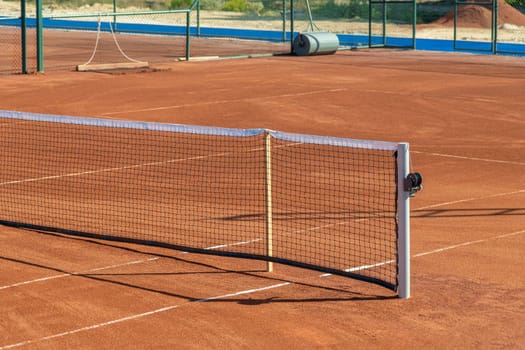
(464, 118)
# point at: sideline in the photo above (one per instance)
(42, 279)
(468, 158)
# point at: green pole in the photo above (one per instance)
(292, 5)
(369, 23)
(494, 26)
(23, 28)
(414, 24)
(284, 21)
(187, 36)
(39, 37)
(455, 23)
(384, 22)
(114, 16)
(199, 18)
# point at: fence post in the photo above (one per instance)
(23, 33)
(39, 37)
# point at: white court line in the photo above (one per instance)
(470, 199)
(469, 243)
(363, 267)
(135, 166)
(469, 158)
(249, 291)
(439, 250)
(316, 228)
(77, 273)
(224, 296)
(233, 244)
(229, 245)
(144, 314)
(420, 208)
(87, 328)
(89, 172)
(315, 92)
(48, 278)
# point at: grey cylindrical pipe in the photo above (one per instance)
(315, 43)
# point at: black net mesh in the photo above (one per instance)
(333, 201)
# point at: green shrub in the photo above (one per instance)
(212, 5)
(338, 9)
(236, 6)
(179, 4)
(516, 3)
(256, 8)
(429, 15)
(272, 5)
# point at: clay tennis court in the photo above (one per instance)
(463, 117)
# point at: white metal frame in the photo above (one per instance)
(403, 233)
(268, 185)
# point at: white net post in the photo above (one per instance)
(268, 187)
(403, 240)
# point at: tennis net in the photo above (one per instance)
(324, 203)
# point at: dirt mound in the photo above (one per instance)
(476, 16)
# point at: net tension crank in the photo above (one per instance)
(413, 183)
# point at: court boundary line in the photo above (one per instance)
(136, 166)
(134, 262)
(464, 244)
(243, 292)
(298, 94)
(105, 170)
(469, 199)
(177, 160)
(42, 279)
(468, 158)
